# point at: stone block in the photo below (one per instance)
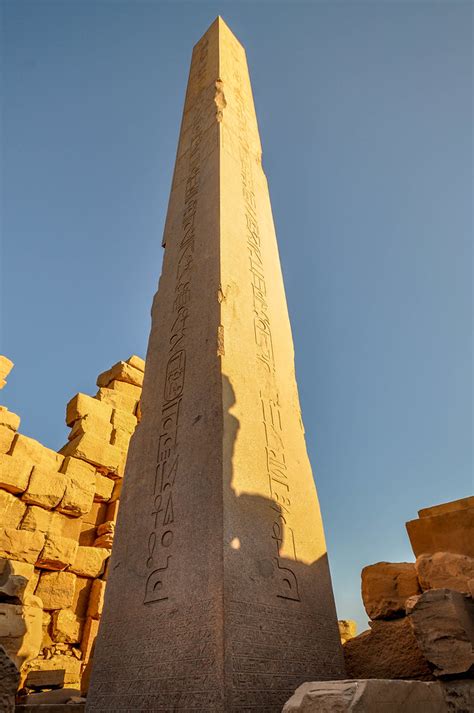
(18, 580)
(136, 362)
(56, 589)
(93, 424)
(65, 525)
(58, 552)
(123, 388)
(121, 439)
(103, 488)
(91, 627)
(82, 594)
(9, 680)
(90, 561)
(37, 518)
(367, 696)
(347, 629)
(96, 599)
(124, 421)
(66, 627)
(26, 448)
(117, 491)
(6, 365)
(8, 419)
(112, 511)
(21, 629)
(443, 508)
(106, 541)
(451, 531)
(80, 488)
(14, 473)
(45, 488)
(21, 545)
(443, 624)
(82, 405)
(386, 586)
(122, 371)
(444, 570)
(388, 650)
(117, 400)
(12, 510)
(68, 664)
(95, 451)
(88, 535)
(97, 514)
(77, 468)
(459, 695)
(6, 439)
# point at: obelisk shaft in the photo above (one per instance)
(219, 595)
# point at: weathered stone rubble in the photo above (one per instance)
(421, 628)
(57, 519)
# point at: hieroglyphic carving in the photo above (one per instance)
(161, 535)
(277, 468)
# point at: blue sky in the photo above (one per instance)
(365, 114)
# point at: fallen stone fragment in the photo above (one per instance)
(386, 586)
(9, 681)
(59, 662)
(56, 589)
(445, 570)
(388, 650)
(443, 624)
(66, 627)
(367, 696)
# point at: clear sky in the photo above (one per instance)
(365, 114)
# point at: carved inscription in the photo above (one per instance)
(163, 515)
(277, 467)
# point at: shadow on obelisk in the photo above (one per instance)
(255, 519)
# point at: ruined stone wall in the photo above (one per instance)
(57, 519)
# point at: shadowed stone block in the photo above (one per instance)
(218, 595)
(367, 696)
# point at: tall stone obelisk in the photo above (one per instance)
(219, 595)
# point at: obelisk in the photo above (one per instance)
(218, 596)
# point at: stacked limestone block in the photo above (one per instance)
(57, 519)
(422, 613)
